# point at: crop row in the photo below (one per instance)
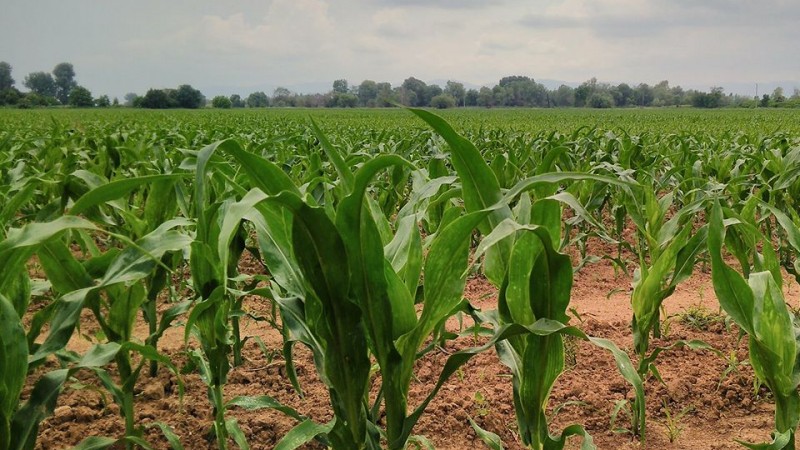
(367, 239)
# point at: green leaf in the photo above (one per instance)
(480, 189)
(732, 290)
(303, 433)
(491, 440)
(13, 366)
(116, 189)
(95, 443)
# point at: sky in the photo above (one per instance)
(227, 46)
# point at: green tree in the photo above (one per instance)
(367, 93)
(643, 95)
(10, 96)
(80, 97)
(386, 96)
(584, 91)
(457, 91)
(130, 98)
(64, 77)
(430, 91)
(471, 98)
(777, 95)
(188, 97)
(623, 95)
(32, 100)
(103, 101)
(6, 81)
(564, 96)
(485, 97)
(443, 101)
(257, 100)
(418, 87)
(600, 99)
(282, 97)
(236, 101)
(340, 86)
(41, 83)
(155, 99)
(342, 100)
(221, 101)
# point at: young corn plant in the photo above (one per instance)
(757, 305)
(667, 251)
(20, 355)
(215, 253)
(351, 300)
(535, 287)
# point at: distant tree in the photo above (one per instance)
(584, 91)
(777, 95)
(431, 91)
(282, 97)
(221, 101)
(764, 101)
(102, 101)
(6, 81)
(64, 77)
(257, 100)
(32, 100)
(443, 101)
(154, 99)
(80, 97)
(236, 101)
(564, 96)
(367, 93)
(188, 97)
(418, 87)
(115, 103)
(386, 96)
(499, 96)
(130, 98)
(340, 87)
(41, 83)
(600, 100)
(342, 100)
(10, 96)
(623, 95)
(456, 90)
(643, 95)
(406, 97)
(662, 94)
(471, 98)
(713, 99)
(485, 97)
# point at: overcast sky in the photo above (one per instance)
(129, 46)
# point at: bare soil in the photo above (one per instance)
(706, 401)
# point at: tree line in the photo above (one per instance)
(59, 87)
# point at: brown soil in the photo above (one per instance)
(711, 401)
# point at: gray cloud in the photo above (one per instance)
(119, 46)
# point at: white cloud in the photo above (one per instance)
(286, 42)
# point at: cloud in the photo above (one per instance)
(291, 28)
(443, 4)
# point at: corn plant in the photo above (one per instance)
(19, 355)
(757, 305)
(535, 289)
(667, 249)
(350, 300)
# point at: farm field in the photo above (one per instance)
(393, 279)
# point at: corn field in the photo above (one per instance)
(353, 237)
